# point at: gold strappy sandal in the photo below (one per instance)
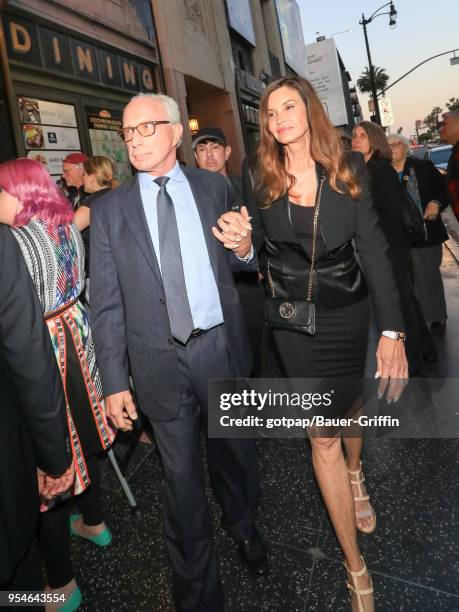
(358, 479)
(354, 588)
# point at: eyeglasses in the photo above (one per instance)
(395, 144)
(146, 128)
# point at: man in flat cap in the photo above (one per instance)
(72, 178)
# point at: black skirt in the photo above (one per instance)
(335, 357)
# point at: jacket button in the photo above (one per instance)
(170, 341)
(162, 301)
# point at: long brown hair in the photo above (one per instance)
(273, 180)
(377, 139)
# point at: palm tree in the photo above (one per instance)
(381, 80)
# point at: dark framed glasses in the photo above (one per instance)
(146, 128)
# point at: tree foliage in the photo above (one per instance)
(433, 118)
(381, 80)
(452, 104)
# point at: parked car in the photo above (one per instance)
(439, 156)
(418, 151)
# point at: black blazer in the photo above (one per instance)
(33, 429)
(129, 315)
(341, 220)
(387, 196)
(432, 186)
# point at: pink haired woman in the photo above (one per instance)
(41, 221)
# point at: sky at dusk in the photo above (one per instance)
(424, 28)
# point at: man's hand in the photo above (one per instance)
(431, 211)
(236, 231)
(121, 410)
(50, 486)
(392, 368)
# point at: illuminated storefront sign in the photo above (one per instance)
(49, 49)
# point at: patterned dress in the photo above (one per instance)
(54, 255)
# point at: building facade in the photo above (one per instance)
(217, 56)
(69, 67)
(68, 70)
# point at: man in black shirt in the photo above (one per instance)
(212, 152)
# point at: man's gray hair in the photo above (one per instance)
(171, 106)
(452, 113)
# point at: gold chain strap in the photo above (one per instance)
(314, 240)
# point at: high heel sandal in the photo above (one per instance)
(359, 479)
(354, 587)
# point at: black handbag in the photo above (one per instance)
(413, 221)
(295, 315)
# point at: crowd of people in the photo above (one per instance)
(311, 235)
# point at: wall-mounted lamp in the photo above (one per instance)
(264, 77)
(193, 124)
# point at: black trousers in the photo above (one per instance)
(27, 576)
(233, 474)
(252, 296)
(419, 342)
(54, 533)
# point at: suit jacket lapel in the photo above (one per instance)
(207, 216)
(134, 215)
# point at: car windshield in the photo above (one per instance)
(440, 156)
(418, 152)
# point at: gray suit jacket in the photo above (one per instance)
(129, 315)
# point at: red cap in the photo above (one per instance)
(76, 158)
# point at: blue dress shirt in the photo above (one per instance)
(200, 282)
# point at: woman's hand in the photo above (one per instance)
(50, 486)
(235, 231)
(431, 211)
(392, 368)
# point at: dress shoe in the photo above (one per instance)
(101, 539)
(253, 554)
(438, 327)
(73, 602)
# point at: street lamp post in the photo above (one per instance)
(364, 22)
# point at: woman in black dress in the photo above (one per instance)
(370, 140)
(298, 148)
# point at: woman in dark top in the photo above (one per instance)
(370, 140)
(97, 180)
(427, 187)
(301, 165)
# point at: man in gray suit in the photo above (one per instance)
(164, 301)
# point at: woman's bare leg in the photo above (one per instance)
(333, 480)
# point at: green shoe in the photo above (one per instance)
(101, 539)
(73, 602)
